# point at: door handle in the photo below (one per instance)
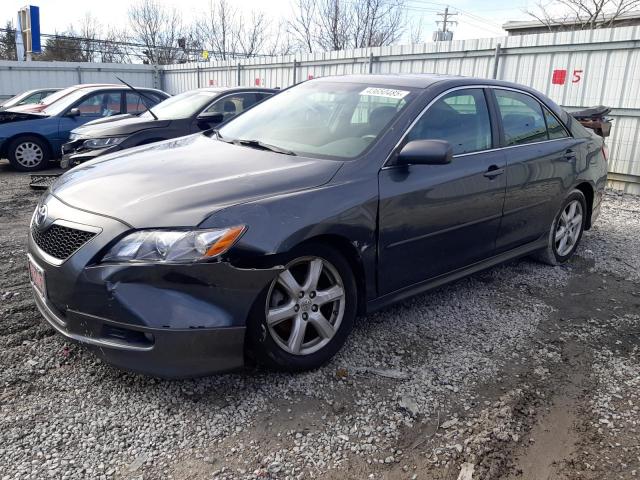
(570, 154)
(493, 171)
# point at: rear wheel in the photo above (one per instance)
(28, 154)
(566, 230)
(305, 315)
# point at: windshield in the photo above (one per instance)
(185, 105)
(17, 99)
(54, 97)
(321, 119)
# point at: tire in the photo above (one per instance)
(272, 342)
(28, 154)
(557, 252)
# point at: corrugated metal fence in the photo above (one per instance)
(17, 77)
(576, 69)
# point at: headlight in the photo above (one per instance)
(174, 245)
(102, 142)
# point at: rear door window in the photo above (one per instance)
(522, 118)
(554, 127)
(461, 118)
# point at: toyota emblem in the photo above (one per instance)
(41, 216)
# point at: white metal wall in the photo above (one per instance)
(601, 67)
(16, 77)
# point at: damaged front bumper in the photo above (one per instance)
(73, 153)
(166, 320)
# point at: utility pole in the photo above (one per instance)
(444, 34)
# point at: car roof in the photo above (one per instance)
(418, 80)
(233, 89)
(409, 80)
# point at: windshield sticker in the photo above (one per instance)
(384, 92)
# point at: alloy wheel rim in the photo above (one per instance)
(568, 228)
(305, 306)
(29, 154)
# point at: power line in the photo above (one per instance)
(93, 44)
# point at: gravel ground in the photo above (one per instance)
(523, 371)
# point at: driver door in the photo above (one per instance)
(435, 219)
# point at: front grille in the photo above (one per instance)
(60, 242)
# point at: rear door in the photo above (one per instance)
(541, 160)
(434, 219)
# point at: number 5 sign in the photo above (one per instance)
(559, 77)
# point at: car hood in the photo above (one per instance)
(124, 126)
(7, 116)
(112, 118)
(30, 107)
(181, 182)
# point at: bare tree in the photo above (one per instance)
(334, 21)
(116, 47)
(158, 28)
(581, 14)
(302, 25)
(416, 30)
(218, 31)
(252, 33)
(377, 22)
(89, 33)
(280, 41)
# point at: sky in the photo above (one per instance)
(476, 18)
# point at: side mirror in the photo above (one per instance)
(74, 112)
(425, 152)
(210, 118)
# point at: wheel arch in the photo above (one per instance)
(352, 255)
(13, 138)
(589, 194)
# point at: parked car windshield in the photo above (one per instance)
(184, 105)
(54, 97)
(322, 119)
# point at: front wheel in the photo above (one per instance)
(305, 315)
(28, 154)
(566, 230)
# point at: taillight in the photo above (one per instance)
(605, 152)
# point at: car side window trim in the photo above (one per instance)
(500, 127)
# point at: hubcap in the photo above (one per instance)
(29, 154)
(305, 305)
(568, 228)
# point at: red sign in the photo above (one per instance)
(309, 77)
(559, 77)
(257, 82)
(212, 82)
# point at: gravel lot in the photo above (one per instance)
(521, 372)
